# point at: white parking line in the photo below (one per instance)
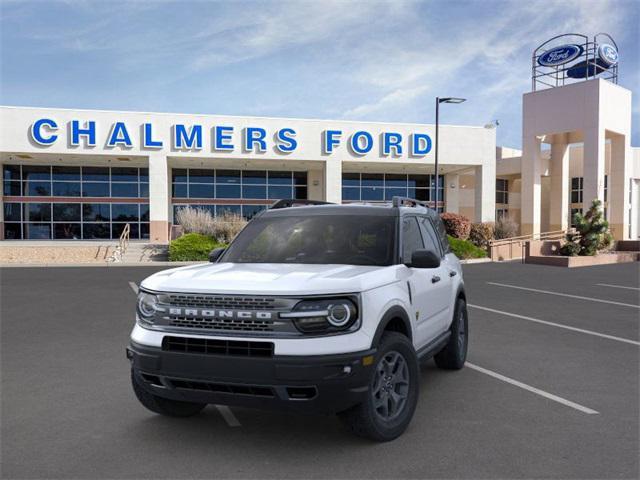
(616, 286)
(228, 415)
(537, 391)
(134, 287)
(590, 299)
(552, 324)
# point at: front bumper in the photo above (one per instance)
(306, 384)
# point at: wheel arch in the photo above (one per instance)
(395, 319)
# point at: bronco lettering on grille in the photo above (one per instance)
(208, 313)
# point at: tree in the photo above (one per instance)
(591, 235)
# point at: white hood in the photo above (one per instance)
(271, 278)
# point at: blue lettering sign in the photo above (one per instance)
(420, 144)
(286, 140)
(147, 137)
(330, 140)
(119, 136)
(391, 140)
(222, 137)
(89, 131)
(255, 136)
(37, 134)
(186, 139)
(359, 147)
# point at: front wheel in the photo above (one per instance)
(392, 394)
(454, 353)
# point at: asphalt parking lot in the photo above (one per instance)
(551, 389)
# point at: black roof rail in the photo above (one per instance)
(407, 202)
(291, 202)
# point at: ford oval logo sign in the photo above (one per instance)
(608, 54)
(560, 55)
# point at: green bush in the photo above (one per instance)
(591, 235)
(192, 247)
(465, 250)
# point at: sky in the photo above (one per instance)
(344, 60)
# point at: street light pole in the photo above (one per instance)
(438, 102)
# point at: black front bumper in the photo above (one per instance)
(307, 384)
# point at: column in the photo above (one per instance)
(618, 188)
(333, 180)
(159, 198)
(1, 208)
(452, 192)
(485, 192)
(559, 196)
(593, 167)
(531, 188)
(315, 189)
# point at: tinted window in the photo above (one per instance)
(66, 173)
(429, 236)
(316, 239)
(411, 238)
(442, 234)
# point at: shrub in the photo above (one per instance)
(591, 234)
(505, 227)
(223, 228)
(458, 226)
(192, 247)
(481, 234)
(465, 249)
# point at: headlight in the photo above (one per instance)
(329, 315)
(147, 306)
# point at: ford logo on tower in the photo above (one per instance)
(608, 54)
(560, 55)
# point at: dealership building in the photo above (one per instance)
(85, 174)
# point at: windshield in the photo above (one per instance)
(342, 239)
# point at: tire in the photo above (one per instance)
(368, 419)
(164, 406)
(454, 353)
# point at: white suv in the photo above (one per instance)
(313, 308)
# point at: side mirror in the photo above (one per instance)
(215, 254)
(424, 259)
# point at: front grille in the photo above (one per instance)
(254, 390)
(225, 324)
(217, 347)
(221, 302)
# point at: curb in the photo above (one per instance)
(471, 261)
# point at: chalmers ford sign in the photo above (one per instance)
(222, 138)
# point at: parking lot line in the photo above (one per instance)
(552, 324)
(228, 415)
(537, 391)
(590, 299)
(134, 287)
(616, 286)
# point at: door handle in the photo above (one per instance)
(452, 273)
(435, 279)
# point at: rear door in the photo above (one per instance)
(427, 287)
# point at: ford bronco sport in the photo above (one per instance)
(314, 308)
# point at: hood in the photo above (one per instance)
(271, 278)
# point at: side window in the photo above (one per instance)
(442, 233)
(411, 238)
(429, 235)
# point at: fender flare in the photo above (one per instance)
(394, 312)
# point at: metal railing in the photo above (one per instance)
(520, 242)
(123, 244)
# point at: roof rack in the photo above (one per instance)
(290, 202)
(407, 202)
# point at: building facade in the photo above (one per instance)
(84, 174)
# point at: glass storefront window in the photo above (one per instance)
(379, 187)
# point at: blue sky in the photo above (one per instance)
(366, 60)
